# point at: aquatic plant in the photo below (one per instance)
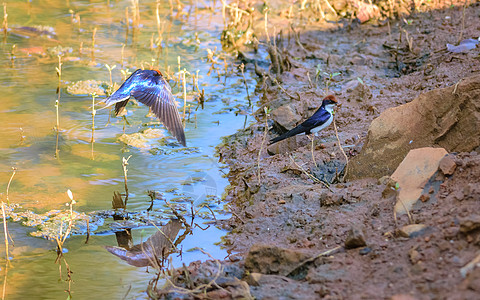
(127, 24)
(266, 112)
(93, 44)
(184, 85)
(125, 73)
(125, 170)
(5, 232)
(110, 72)
(93, 120)
(122, 57)
(242, 67)
(9, 182)
(64, 233)
(5, 20)
(60, 240)
(57, 102)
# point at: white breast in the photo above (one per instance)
(323, 126)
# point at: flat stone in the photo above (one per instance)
(447, 118)
(286, 116)
(257, 279)
(412, 175)
(413, 230)
(268, 259)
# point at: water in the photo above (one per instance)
(28, 139)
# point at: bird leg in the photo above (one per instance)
(312, 138)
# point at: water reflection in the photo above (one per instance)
(154, 251)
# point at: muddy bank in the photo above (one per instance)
(299, 235)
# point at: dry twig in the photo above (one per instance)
(341, 149)
(315, 179)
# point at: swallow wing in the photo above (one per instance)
(319, 118)
(155, 93)
(297, 130)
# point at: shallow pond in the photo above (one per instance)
(47, 164)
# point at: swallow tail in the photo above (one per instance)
(119, 106)
(294, 131)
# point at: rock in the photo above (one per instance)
(366, 11)
(365, 251)
(473, 280)
(424, 197)
(413, 230)
(339, 5)
(286, 116)
(436, 118)
(413, 173)
(469, 223)
(328, 198)
(257, 279)
(447, 165)
(390, 187)
(268, 259)
(288, 145)
(234, 289)
(414, 256)
(254, 279)
(384, 180)
(355, 239)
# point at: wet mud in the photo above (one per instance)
(298, 229)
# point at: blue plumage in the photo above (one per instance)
(319, 120)
(150, 88)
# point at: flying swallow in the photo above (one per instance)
(150, 88)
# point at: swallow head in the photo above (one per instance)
(158, 72)
(329, 103)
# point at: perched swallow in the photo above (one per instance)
(150, 88)
(318, 121)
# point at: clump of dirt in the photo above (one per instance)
(141, 139)
(299, 236)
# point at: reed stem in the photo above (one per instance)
(9, 182)
(57, 102)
